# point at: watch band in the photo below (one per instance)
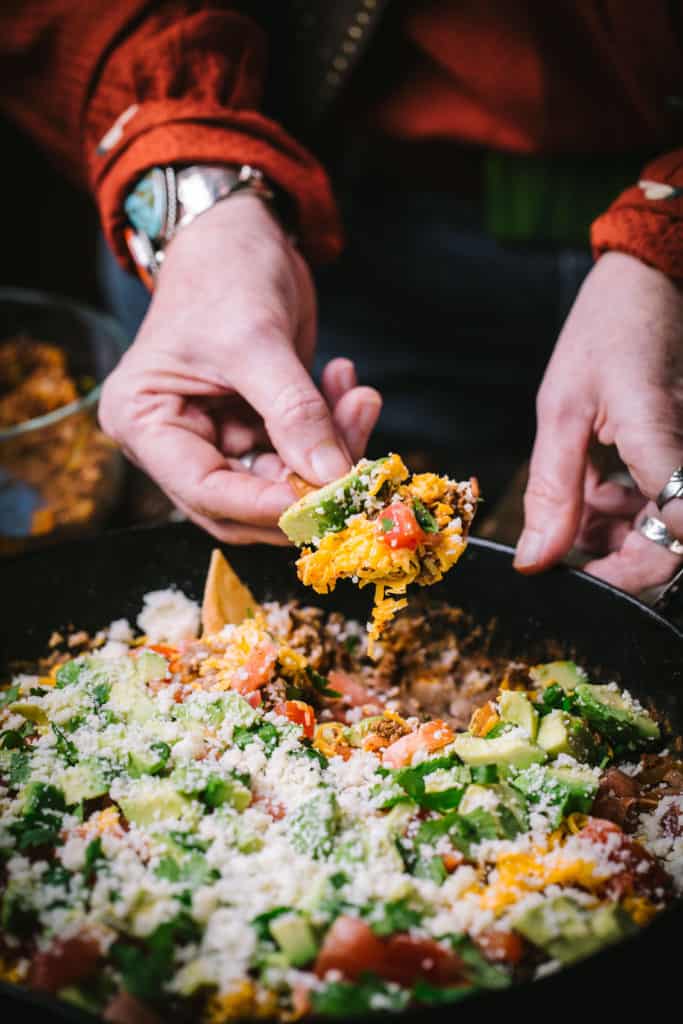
(167, 199)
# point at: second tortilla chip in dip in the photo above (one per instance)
(381, 525)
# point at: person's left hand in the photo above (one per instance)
(616, 376)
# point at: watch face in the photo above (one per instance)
(147, 206)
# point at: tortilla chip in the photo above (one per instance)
(299, 485)
(226, 599)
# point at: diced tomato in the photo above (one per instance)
(352, 691)
(301, 1000)
(274, 808)
(256, 671)
(353, 695)
(299, 712)
(123, 1008)
(352, 948)
(255, 699)
(408, 958)
(399, 528)
(64, 963)
(451, 861)
(500, 947)
(430, 736)
(166, 650)
(641, 875)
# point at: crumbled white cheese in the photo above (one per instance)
(168, 616)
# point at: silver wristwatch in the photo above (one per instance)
(169, 198)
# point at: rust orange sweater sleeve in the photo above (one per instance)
(111, 89)
(646, 220)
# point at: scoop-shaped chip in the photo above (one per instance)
(226, 599)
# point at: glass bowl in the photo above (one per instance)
(60, 476)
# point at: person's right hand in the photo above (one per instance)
(220, 367)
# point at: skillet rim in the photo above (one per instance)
(22, 1000)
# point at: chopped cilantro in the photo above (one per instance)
(321, 684)
(68, 673)
(19, 767)
(56, 874)
(498, 729)
(242, 735)
(424, 517)
(37, 691)
(432, 868)
(94, 856)
(387, 918)
(387, 524)
(412, 782)
(351, 643)
(145, 971)
(14, 739)
(436, 995)
(193, 869)
(100, 693)
(188, 841)
(16, 916)
(480, 972)
(65, 748)
(345, 999)
(41, 821)
(8, 696)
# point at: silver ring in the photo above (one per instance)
(655, 530)
(673, 488)
(249, 458)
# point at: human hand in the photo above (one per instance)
(616, 376)
(220, 367)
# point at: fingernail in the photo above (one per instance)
(347, 376)
(529, 549)
(329, 462)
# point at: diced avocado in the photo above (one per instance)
(580, 782)
(314, 825)
(192, 977)
(149, 762)
(508, 810)
(566, 674)
(32, 712)
(327, 509)
(213, 789)
(153, 800)
(294, 937)
(215, 710)
(568, 932)
(562, 733)
(614, 716)
(128, 698)
(515, 707)
(83, 781)
(82, 1000)
(150, 666)
(512, 748)
(558, 791)
(444, 779)
(356, 733)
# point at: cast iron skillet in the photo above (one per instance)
(90, 583)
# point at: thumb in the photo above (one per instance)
(554, 493)
(296, 416)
